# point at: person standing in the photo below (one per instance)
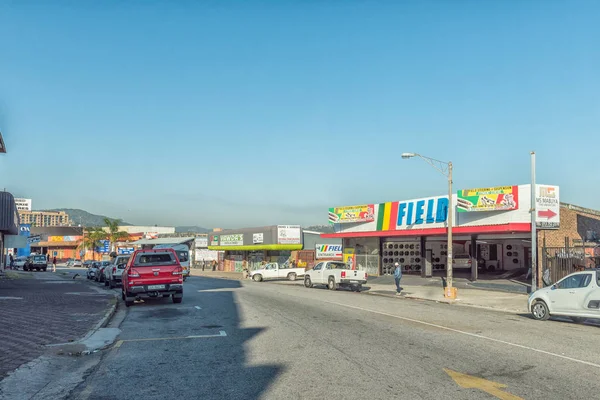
(54, 264)
(398, 277)
(12, 262)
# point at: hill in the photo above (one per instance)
(85, 218)
(320, 228)
(195, 229)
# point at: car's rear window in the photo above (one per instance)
(338, 265)
(152, 259)
(462, 256)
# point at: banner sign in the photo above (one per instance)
(500, 198)
(342, 215)
(214, 240)
(125, 250)
(547, 207)
(232, 240)
(257, 238)
(202, 241)
(289, 234)
(328, 251)
(34, 239)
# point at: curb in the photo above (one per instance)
(104, 321)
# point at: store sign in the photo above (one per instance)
(125, 250)
(547, 207)
(232, 240)
(34, 239)
(104, 246)
(424, 211)
(342, 215)
(257, 238)
(289, 234)
(500, 198)
(214, 240)
(328, 251)
(201, 241)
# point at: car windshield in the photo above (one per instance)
(152, 259)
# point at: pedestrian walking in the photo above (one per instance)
(54, 264)
(12, 262)
(398, 277)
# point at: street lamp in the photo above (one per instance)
(2, 146)
(446, 169)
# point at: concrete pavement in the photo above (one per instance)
(243, 340)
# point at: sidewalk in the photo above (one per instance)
(42, 308)
(421, 289)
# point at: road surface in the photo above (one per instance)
(232, 340)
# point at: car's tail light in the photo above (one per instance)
(133, 273)
(178, 271)
(470, 261)
(366, 275)
(343, 274)
(114, 270)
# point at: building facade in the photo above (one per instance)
(9, 222)
(45, 218)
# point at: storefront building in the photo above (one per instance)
(60, 242)
(9, 222)
(491, 231)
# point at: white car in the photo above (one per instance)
(276, 271)
(19, 262)
(576, 296)
(113, 274)
(460, 261)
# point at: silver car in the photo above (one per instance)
(461, 261)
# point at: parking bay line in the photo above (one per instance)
(120, 342)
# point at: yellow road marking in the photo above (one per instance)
(473, 382)
(118, 344)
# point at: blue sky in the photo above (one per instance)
(246, 113)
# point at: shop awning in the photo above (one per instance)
(55, 244)
(251, 247)
(516, 227)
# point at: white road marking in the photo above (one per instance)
(520, 346)
(120, 342)
(10, 298)
(197, 308)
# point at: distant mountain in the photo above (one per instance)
(196, 229)
(320, 228)
(85, 218)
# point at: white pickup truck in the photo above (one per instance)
(335, 274)
(276, 271)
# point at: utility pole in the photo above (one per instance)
(450, 222)
(534, 269)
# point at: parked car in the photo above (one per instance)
(113, 273)
(460, 261)
(94, 267)
(276, 271)
(77, 263)
(576, 296)
(152, 273)
(20, 262)
(37, 262)
(100, 277)
(335, 274)
(88, 263)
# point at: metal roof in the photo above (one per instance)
(169, 240)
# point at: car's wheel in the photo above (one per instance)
(308, 282)
(292, 276)
(578, 320)
(128, 303)
(111, 284)
(540, 311)
(38, 269)
(44, 269)
(331, 284)
(357, 288)
(257, 278)
(177, 300)
(106, 282)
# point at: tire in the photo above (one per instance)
(38, 269)
(105, 282)
(331, 285)
(128, 303)
(539, 311)
(257, 278)
(357, 288)
(177, 300)
(308, 282)
(578, 320)
(292, 276)
(44, 269)
(111, 284)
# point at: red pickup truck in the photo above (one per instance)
(152, 273)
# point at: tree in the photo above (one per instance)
(114, 234)
(92, 238)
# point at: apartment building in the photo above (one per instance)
(45, 218)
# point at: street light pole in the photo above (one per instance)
(445, 168)
(450, 223)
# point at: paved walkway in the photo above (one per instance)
(40, 308)
(419, 288)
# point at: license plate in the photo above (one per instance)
(353, 281)
(155, 287)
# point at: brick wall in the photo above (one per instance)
(575, 222)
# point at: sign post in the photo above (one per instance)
(534, 269)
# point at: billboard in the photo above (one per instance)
(232, 240)
(547, 207)
(499, 198)
(24, 230)
(361, 213)
(289, 234)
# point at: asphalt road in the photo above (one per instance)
(232, 340)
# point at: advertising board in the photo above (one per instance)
(328, 251)
(289, 234)
(547, 207)
(499, 198)
(232, 240)
(361, 213)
